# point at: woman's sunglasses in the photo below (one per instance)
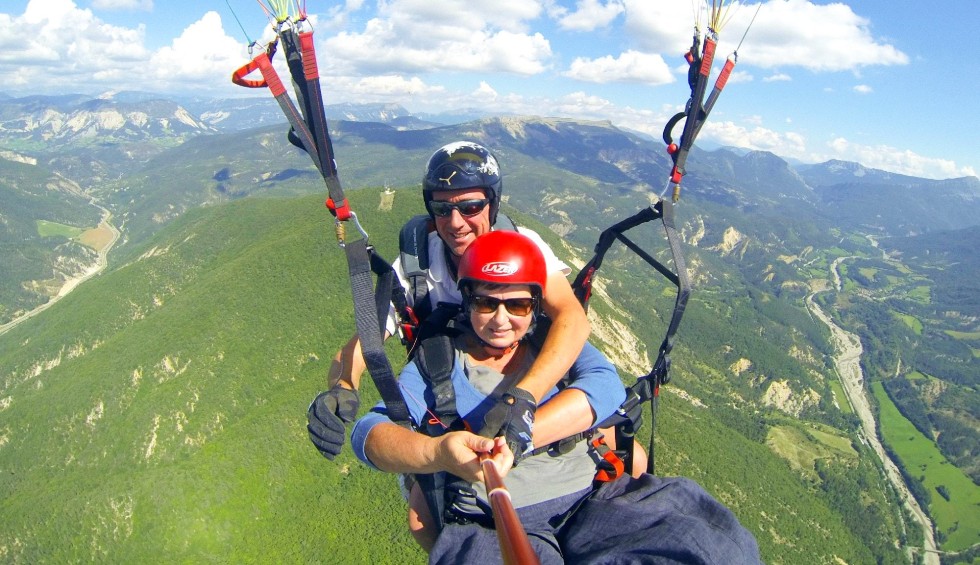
(465, 208)
(489, 305)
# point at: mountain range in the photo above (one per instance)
(161, 404)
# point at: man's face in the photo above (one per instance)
(456, 230)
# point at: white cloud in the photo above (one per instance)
(423, 36)
(785, 144)
(660, 27)
(382, 88)
(828, 37)
(863, 89)
(201, 53)
(902, 161)
(72, 50)
(123, 5)
(66, 45)
(740, 77)
(590, 15)
(778, 77)
(631, 66)
(797, 33)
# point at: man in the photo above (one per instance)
(462, 189)
(630, 520)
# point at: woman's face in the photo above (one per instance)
(501, 327)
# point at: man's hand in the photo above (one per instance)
(459, 453)
(513, 418)
(327, 415)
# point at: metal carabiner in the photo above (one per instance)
(342, 231)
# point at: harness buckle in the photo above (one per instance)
(610, 466)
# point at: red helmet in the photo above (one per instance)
(504, 257)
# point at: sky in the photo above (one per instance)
(891, 85)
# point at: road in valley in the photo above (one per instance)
(71, 284)
(847, 361)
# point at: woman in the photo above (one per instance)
(629, 520)
(501, 277)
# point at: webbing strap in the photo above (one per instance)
(270, 78)
(372, 344)
(310, 129)
(301, 59)
(646, 387)
(662, 365)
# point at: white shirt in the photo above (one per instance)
(440, 281)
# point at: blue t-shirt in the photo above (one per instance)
(537, 478)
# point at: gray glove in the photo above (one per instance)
(327, 415)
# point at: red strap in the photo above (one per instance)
(238, 77)
(341, 212)
(309, 56)
(269, 76)
(604, 475)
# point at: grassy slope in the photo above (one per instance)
(172, 423)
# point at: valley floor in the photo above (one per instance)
(108, 235)
(848, 364)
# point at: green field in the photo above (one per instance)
(802, 447)
(958, 519)
(969, 336)
(911, 321)
(841, 397)
(48, 229)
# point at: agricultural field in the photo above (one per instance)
(955, 504)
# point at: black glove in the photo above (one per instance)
(327, 415)
(513, 418)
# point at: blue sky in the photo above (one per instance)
(891, 85)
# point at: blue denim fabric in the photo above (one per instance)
(628, 521)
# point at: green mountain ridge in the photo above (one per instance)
(172, 422)
(759, 237)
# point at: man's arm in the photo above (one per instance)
(396, 449)
(594, 392)
(563, 415)
(347, 365)
(566, 337)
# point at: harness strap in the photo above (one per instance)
(646, 387)
(368, 324)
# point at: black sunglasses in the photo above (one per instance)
(489, 305)
(465, 208)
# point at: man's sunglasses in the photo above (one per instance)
(489, 305)
(465, 208)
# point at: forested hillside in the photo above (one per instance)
(41, 219)
(160, 409)
(187, 365)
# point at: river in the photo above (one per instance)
(847, 362)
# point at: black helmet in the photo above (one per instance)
(463, 165)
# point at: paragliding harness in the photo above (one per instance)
(434, 354)
(371, 302)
